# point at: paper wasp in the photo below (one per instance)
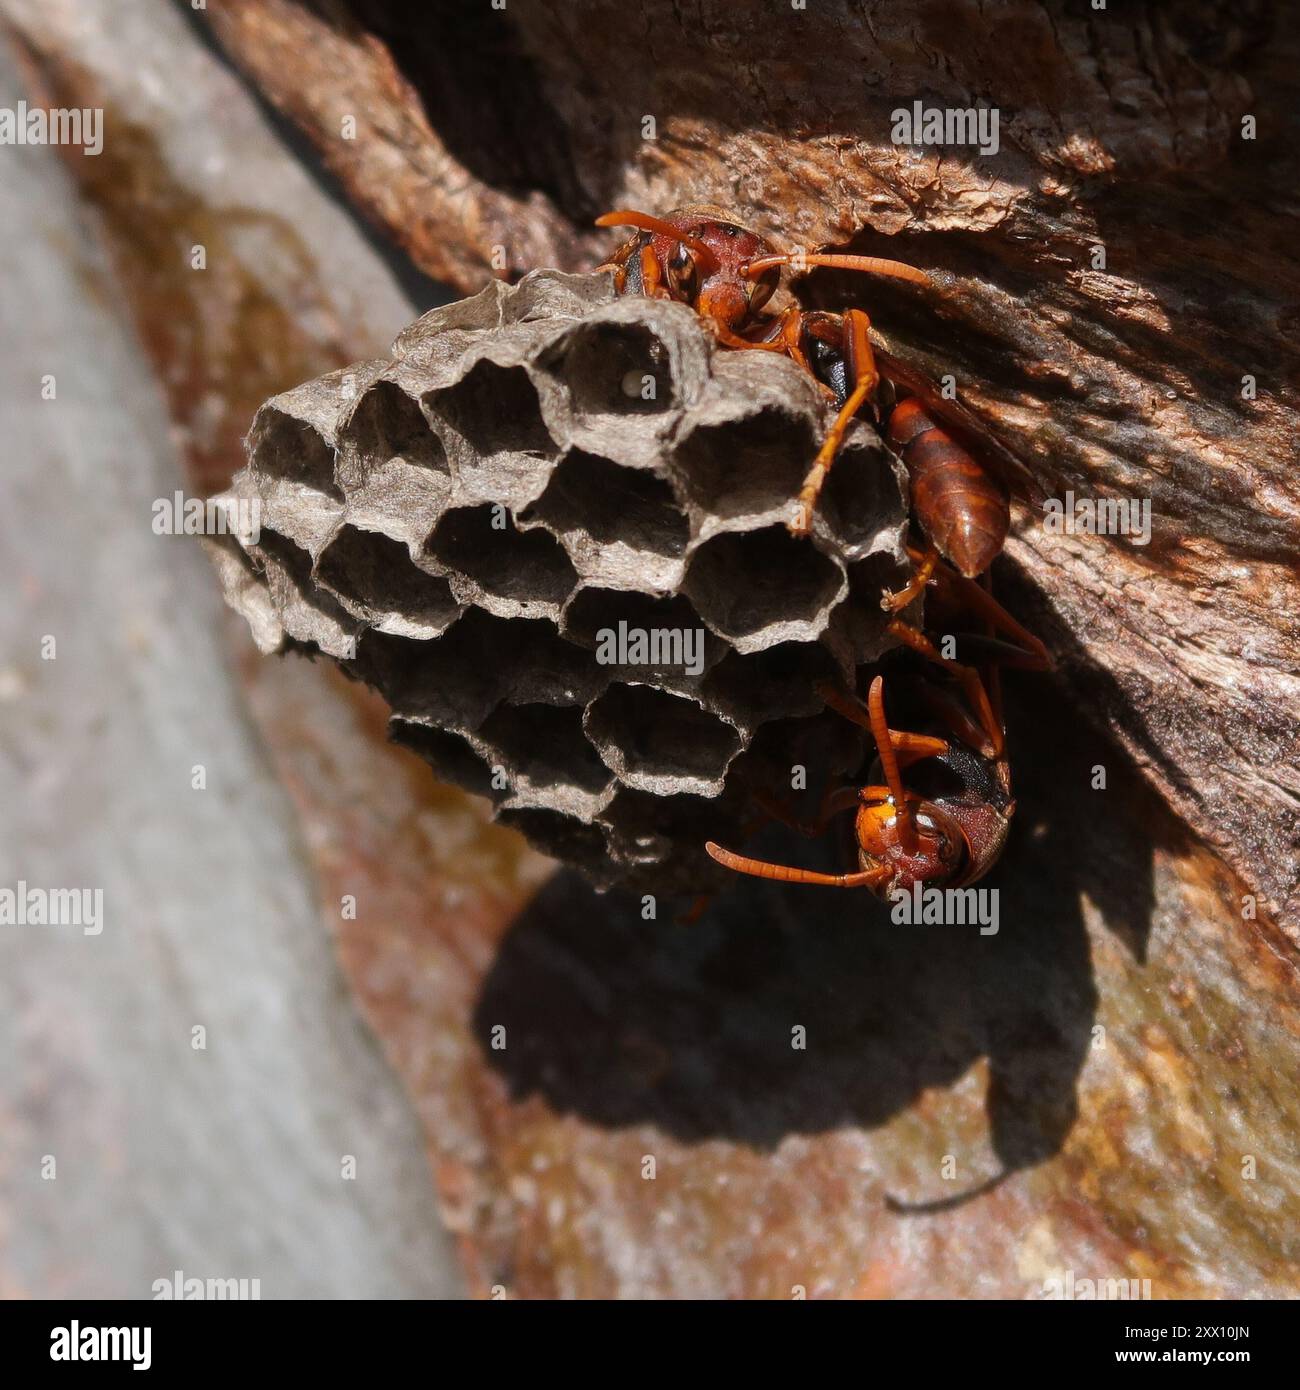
(958, 473)
(948, 828)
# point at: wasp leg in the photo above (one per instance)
(909, 748)
(861, 362)
(776, 339)
(785, 334)
(896, 601)
(1034, 652)
(949, 712)
(791, 332)
(994, 673)
(969, 678)
(652, 284)
(989, 653)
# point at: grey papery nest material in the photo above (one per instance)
(462, 525)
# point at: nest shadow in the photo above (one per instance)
(689, 1027)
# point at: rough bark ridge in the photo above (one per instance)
(1118, 131)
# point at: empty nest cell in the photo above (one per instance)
(645, 830)
(830, 749)
(445, 682)
(285, 447)
(496, 412)
(759, 588)
(482, 661)
(308, 613)
(593, 614)
(610, 504)
(527, 571)
(865, 490)
(661, 742)
(387, 426)
(372, 576)
(748, 466)
(761, 686)
(544, 746)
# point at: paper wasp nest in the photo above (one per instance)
(466, 525)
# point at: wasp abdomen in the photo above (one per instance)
(959, 506)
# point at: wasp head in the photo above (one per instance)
(924, 845)
(700, 258)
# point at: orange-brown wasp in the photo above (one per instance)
(703, 258)
(948, 828)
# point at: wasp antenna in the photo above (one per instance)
(874, 265)
(889, 763)
(647, 222)
(759, 868)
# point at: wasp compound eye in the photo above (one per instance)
(683, 273)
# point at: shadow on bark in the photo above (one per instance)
(452, 57)
(689, 1027)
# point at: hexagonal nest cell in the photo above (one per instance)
(550, 530)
